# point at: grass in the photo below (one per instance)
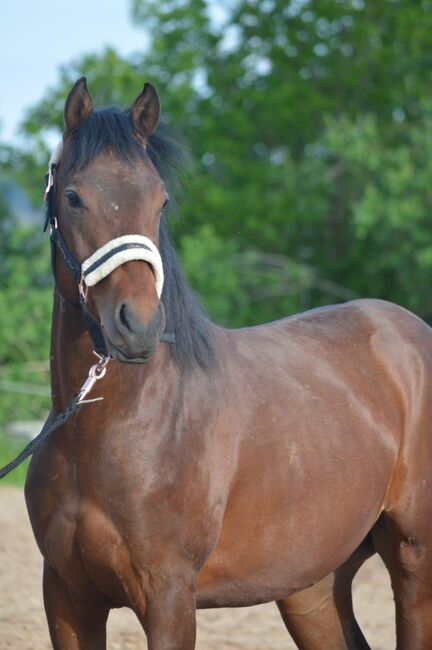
(9, 449)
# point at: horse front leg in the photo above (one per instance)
(72, 625)
(169, 619)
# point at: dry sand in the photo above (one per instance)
(22, 619)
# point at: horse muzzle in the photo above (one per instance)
(129, 338)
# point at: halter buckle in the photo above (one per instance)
(53, 225)
(83, 289)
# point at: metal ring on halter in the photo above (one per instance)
(96, 372)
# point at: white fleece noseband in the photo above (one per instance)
(119, 251)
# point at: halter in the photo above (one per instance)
(101, 263)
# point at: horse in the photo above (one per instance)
(229, 467)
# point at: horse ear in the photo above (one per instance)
(79, 104)
(146, 110)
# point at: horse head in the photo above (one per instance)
(108, 202)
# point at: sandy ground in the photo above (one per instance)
(23, 626)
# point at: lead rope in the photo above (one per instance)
(96, 372)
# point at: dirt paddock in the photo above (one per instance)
(23, 626)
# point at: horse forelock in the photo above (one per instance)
(107, 129)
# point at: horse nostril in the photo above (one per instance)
(123, 318)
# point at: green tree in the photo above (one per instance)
(25, 306)
(305, 119)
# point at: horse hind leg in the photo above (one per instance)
(322, 616)
(403, 534)
(405, 545)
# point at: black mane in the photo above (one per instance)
(110, 129)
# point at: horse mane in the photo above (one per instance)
(110, 129)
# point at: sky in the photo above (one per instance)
(38, 36)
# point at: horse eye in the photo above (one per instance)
(73, 199)
(165, 203)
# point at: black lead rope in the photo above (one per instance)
(50, 425)
(96, 372)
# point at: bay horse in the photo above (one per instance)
(231, 467)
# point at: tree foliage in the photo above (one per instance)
(305, 119)
(25, 307)
(309, 126)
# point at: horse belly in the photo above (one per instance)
(301, 504)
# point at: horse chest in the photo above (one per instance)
(83, 544)
(98, 544)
